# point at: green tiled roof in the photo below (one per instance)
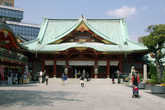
(113, 30)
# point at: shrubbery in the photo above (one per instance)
(164, 76)
(153, 74)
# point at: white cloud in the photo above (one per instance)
(122, 12)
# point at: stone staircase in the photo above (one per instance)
(77, 81)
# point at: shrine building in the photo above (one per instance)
(12, 58)
(84, 44)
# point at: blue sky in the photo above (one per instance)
(138, 13)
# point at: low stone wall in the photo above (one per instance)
(158, 89)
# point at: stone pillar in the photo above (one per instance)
(54, 75)
(144, 73)
(108, 68)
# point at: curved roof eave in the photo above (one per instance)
(100, 47)
(41, 34)
(97, 32)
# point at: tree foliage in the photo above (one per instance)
(155, 42)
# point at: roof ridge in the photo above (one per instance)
(85, 18)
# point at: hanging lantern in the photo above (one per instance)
(5, 33)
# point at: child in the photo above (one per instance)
(135, 92)
(64, 78)
(82, 83)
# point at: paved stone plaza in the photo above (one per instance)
(98, 94)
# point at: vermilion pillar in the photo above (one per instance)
(108, 68)
(54, 67)
(67, 63)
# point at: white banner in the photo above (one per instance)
(49, 62)
(60, 63)
(81, 63)
(102, 63)
(114, 63)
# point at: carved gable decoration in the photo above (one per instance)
(7, 39)
(79, 36)
(82, 34)
(82, 27)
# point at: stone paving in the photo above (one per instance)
(98, 94)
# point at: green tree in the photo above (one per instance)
(155, 42)
(152, 72)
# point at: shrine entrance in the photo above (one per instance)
(78, 70)
(113, 71)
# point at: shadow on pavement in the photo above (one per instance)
(33, 98)
(19, 85)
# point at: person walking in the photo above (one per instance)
(46, 78)
(113, 78)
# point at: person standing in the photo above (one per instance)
(118, 76)
(9, 79)
(131, 74)
(75, 74)
(135, 82)
(87, 76)
(83, 75)
(66, 70)
(135, 79)
(40, 76)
